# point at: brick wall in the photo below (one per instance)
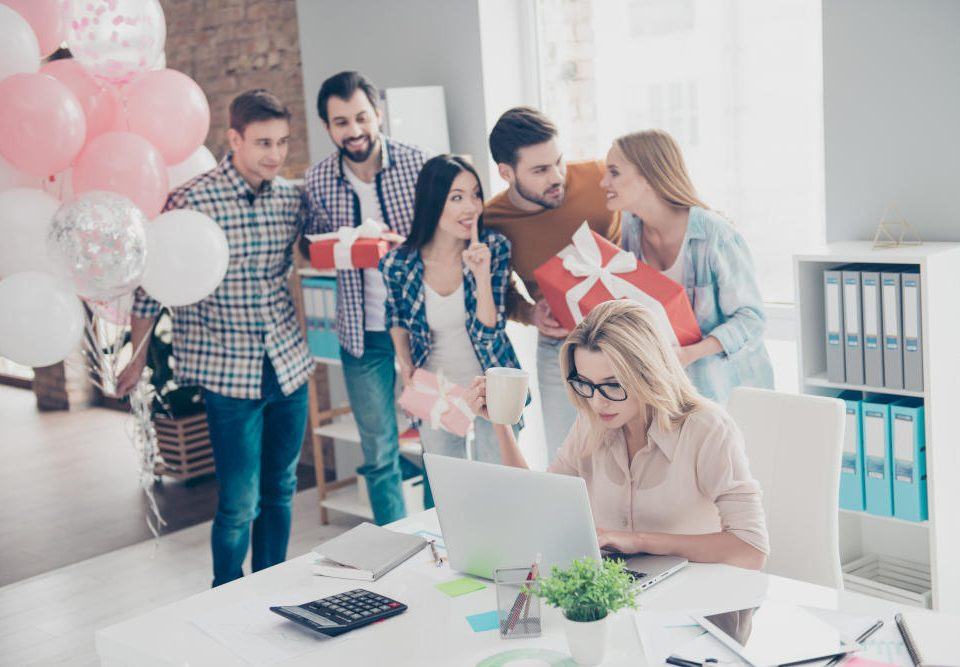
(229, 46)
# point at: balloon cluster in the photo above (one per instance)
(89, 148)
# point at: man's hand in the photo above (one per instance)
(130, 375)
(543, 320)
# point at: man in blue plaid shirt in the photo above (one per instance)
(242, 344)
(369, 176)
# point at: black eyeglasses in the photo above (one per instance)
(613, 391)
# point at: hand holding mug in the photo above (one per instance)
(476, 397)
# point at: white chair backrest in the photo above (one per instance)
(794, 444)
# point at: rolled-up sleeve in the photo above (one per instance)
(723, 474)
(144, 306)
(738, 295)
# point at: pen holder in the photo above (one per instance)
(518, 602)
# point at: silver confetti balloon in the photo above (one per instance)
(99, 241)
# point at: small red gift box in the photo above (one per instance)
(591, 270)
(349, 247)
(438, 402)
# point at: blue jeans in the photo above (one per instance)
(558, 413)
(370, 382)
(256, 446)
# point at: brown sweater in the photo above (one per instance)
(537, 236)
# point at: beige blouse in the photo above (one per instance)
(691, 481)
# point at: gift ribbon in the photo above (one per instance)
(345, 237)
(444, 401)
(583, 259)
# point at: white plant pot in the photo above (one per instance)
(587, 640)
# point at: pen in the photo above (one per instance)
(681, 662)
(863, 637)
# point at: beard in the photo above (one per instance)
(541, 200)
(360, 156)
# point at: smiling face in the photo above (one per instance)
(539, 175)
(594, 367)
(261, 149)
(354, 126)
(625, 188)
(463, 207)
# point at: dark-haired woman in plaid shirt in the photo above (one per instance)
(446, 291)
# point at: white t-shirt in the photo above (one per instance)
(675, 272)
(450, 348)
(374, 289)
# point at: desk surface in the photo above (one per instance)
(434, 629)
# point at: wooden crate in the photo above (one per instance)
(184, 444)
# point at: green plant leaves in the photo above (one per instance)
(588, 591)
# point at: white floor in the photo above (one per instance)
(50, 619)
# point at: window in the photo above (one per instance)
(738, 83)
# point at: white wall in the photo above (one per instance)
(397, 43)
(891, 77)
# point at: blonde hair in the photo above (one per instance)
(644, 363)
(657, 157)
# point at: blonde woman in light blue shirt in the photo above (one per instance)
(667, 226)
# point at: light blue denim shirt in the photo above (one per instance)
(722, 286)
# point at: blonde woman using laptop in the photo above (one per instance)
(665, 468)
(666, 225)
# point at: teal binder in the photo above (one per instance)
(877, 464)
(851, 463)
(320, 313)
(909, 460)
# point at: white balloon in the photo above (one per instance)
(42, 319)
(25, 216)
(199, 162)
(187, 257)
(19, 50)
(11, 177)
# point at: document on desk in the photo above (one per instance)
(253, 633)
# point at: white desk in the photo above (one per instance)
(433, 631)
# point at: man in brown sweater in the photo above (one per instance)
(548, 199)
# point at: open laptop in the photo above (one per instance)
(496, 516)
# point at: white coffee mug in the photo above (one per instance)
(506, 394)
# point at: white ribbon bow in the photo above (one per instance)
(444, 401)
(345, 237)
(582, 259)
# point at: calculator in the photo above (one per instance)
(342, 613)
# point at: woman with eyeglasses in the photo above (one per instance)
(665, 469)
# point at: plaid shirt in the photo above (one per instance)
(331, 203)
(219, 343)
(406, 306)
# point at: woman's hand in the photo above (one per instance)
(476, 397)
(620, 540)
(477, 257)
(684, 355)
(406, 373)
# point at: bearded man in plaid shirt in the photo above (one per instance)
(368, 176)
(243, 344)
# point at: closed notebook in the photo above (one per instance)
(365, 552)
(931, 639)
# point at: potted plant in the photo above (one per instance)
(587, 592)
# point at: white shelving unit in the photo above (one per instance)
(935, 543)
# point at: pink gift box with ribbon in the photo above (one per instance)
(359, 247)
(438, 402)
(591, 270)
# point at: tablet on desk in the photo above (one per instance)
(776, 633)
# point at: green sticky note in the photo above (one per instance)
(460, 586)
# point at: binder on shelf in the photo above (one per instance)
(852, 329)
(912, 330)
(320, 313)
(851, 463)
(892, 330)
(909, 460)
(877, 465)
(833, 305)
(872, 323)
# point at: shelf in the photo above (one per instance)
(328, 362)
(863, 252)
(345, 429)
(885, 519)
(347, 501)
(820, 380)
(310, 272)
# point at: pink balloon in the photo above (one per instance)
(124, 163)
(47, 20)
(101, 103)
(167, 108)
(42, 127)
